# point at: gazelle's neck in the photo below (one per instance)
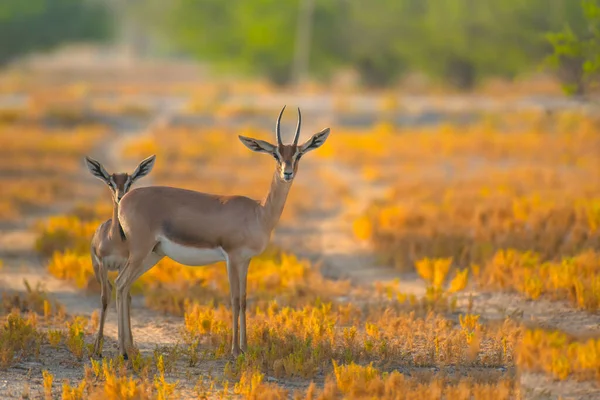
(275, 201)
(114, 231)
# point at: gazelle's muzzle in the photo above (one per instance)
(287, 171)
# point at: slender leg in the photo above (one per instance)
(127, 276)
(129, 334)
(243, 277)
(234, 283)
(119, 283)
(106, 290)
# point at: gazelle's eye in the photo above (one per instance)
(276, 157)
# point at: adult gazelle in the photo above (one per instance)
(195, 228)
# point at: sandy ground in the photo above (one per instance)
(324, 235)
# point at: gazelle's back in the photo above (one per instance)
(189, 218)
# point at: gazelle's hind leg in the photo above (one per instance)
(243, 277)
(129, 334)
(127, 276)
(106, 290)
(234, 289)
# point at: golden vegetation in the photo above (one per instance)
(515, 199)
(560, 355)
(512, 203)
(40, 166)
(18, 338)
(298, 329)
(576, 279)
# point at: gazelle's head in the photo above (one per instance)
(120, 183)
(287, 156)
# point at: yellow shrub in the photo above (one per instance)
(65, 233)
(73, 267)
(460, 281)
(434, 271)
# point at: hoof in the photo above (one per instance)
(97, 352)
(236, 353)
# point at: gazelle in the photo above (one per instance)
(108, 250)
(198, 229)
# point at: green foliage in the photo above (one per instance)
(41, 24)
(457, 41)
(246, 36)
(576, 55)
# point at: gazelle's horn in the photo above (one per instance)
(278, 128)
(297, 135)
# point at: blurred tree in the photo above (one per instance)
(379, 37)
(466, 40)
(249, 36)
(576, 56)
(456, 41)
(27, 25)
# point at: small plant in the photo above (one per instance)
(73, 393)
(354, 380)
(251, 386)
(48, 378)
(139, 363)
(18, 339)
(55, 336)
(469, 324)
(47, 310)
(460, 281)
(434, 271)
(163, 389)
(75, 337)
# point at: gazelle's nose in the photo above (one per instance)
(288, 176)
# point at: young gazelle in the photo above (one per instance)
(197, 229)
(108, 250)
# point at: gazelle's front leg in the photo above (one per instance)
(234, 284)
(127, 276)
(121, 314)
(243, 277)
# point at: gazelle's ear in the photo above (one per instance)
(97, 170)
(257, 145)
(143, 168)
(315, 141)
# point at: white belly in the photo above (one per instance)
(113, 263)
(191, 256)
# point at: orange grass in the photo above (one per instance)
(560, 355)
(576, 279)
(510, 187)
(466, 193)
(40, 167)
